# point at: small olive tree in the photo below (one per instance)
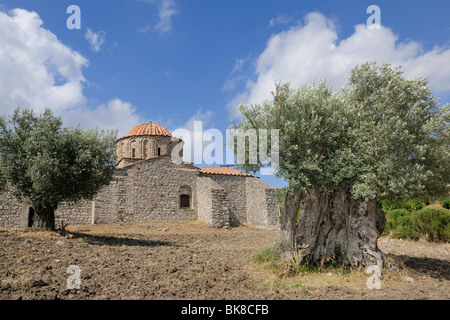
(45, 164)
(382, 137)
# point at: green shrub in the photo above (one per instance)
(408, 204)
(397, 218)
(406, 231)
(413, 204)
(428, 223)
(446, 204)
(386, 206)
(433, 224)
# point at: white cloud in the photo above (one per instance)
(96, 39)
(39, 71)
(196, 134)
(238, 64)
(235, 75)
(167, 9)
(145, 29)
(305, 54)
(205, 117)
(282, 19)
(115, 114)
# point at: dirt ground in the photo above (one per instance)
(188, 260)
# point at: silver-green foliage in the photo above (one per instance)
(45, 163)
(384, 135)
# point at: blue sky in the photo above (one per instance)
(176, 61)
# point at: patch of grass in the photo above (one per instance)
(267, 255)
(293, 268)
(300, 286)
(286, 274)
(281, 273)
(271, 257)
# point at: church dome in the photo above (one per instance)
(148, 129)
(144, 141)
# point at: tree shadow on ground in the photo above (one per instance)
(115, 241)
(435, 268)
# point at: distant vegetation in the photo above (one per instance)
(446, 204)
(411, 219)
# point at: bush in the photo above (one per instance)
(406, 231)
(386, 206)
(408, 204)
(433, 224)
(413, 204)
(446, 204)
(428, 223)
(397, 218)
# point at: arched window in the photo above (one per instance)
(132, 148)
(185, 197)
(185, 201)
(145, 149)
(159, 151)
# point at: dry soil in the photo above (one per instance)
(188, 260)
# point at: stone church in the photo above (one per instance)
(149, 186)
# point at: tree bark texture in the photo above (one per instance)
(335, 226)
(44, 218)
(288, 220)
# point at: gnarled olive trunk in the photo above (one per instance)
(44, 218)
(335, 226)
(288, 221)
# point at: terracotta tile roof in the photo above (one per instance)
(223, 170)
(148, 129)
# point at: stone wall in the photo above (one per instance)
(73, 213)
(251, 200)
(152, 189)
(220, 209)
(273, 210)
(213, 203)
(235, 187)
(256, 204)
(104, 208)
(13, 214)
(262, 208)
(146, 191)
(110, 201)
(204, 201)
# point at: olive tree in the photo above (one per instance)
(382, 136)
(45, 164)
